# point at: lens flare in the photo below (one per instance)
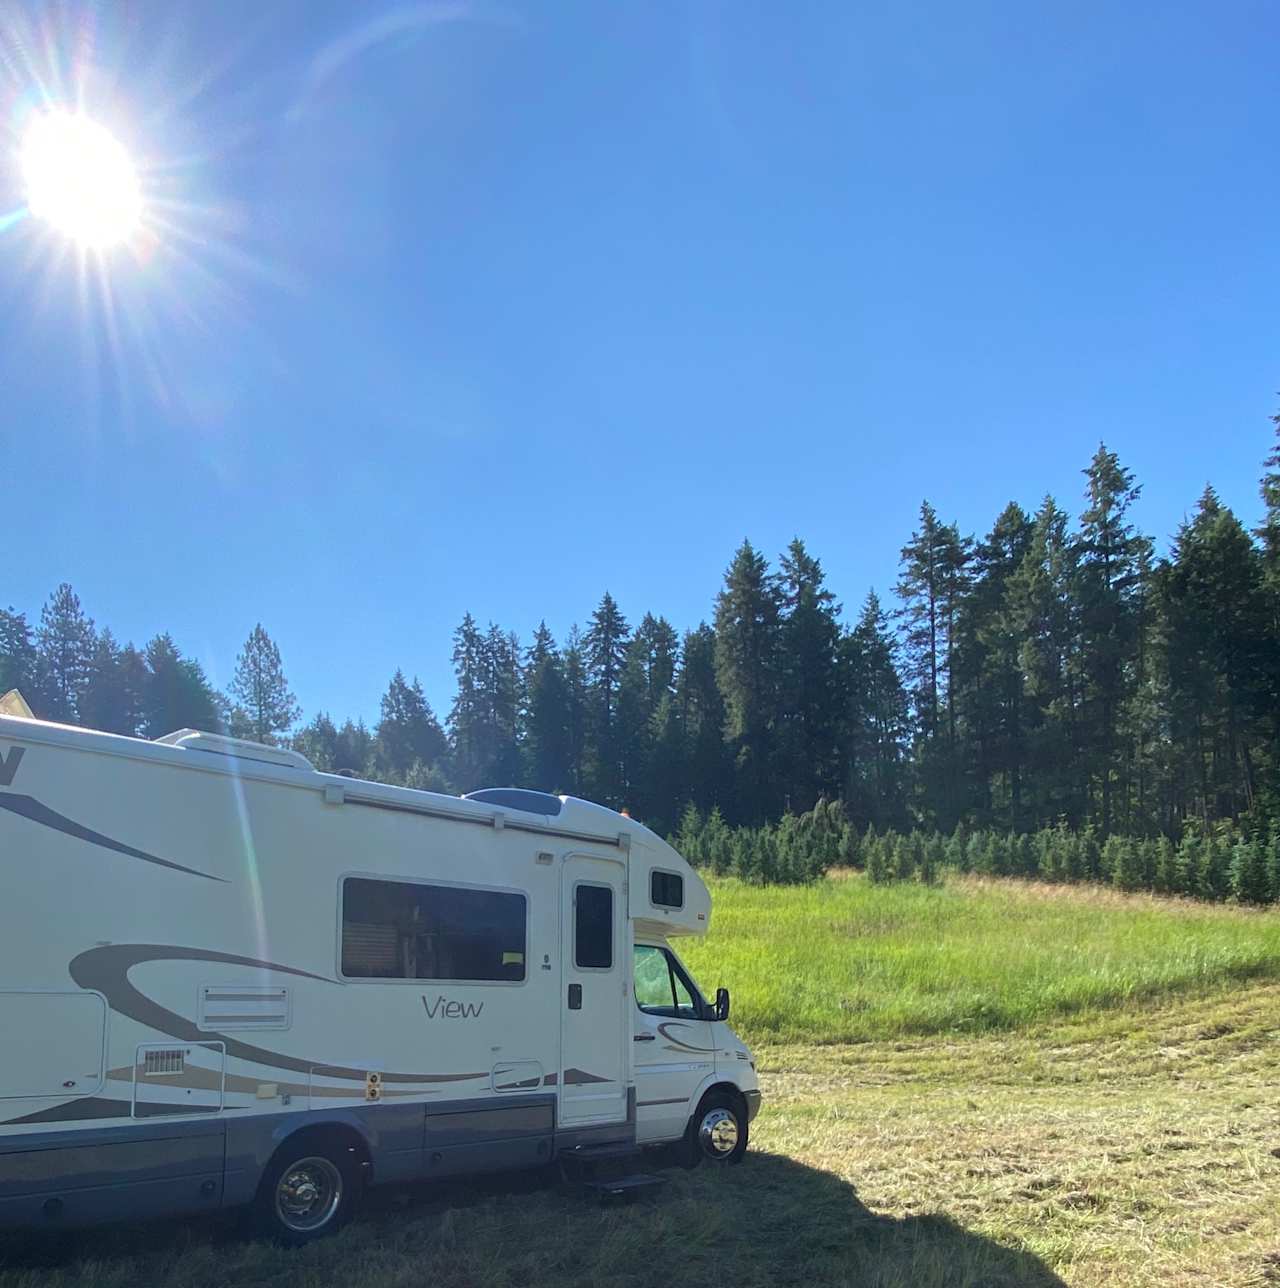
(80, 180)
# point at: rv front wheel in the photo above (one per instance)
(717, 1132)
(308, 1192)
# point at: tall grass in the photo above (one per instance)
(847, 959)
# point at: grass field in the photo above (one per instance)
(849, 961)
(1089, 1100)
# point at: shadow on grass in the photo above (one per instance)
(771, 1221)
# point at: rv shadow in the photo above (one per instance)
(771, 1221)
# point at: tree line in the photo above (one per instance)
(1218, 862)
(1054, 673)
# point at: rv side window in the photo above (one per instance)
(666, 889)
(410, 930)
(593, 927)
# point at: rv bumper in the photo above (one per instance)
(753, 1104)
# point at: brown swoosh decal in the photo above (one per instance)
(72, 1110)
(574, 1078)
(30, 808)
(106, 970)
(664, 1029)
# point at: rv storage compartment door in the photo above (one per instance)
(51, 1044)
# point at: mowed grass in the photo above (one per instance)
(1140, 1150)
(848, 961)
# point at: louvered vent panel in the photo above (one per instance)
(163, 1064)
(239, 1007)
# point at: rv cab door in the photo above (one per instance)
(595, 1031)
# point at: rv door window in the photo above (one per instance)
(412, 930)
(593, 927)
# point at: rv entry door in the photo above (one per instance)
(595, 1023)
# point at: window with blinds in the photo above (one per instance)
(418, 930)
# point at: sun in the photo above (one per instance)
(80, 180)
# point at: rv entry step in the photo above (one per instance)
(603, 1152)
(623, 1186)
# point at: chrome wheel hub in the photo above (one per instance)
(718, 1133)
(308, 1193)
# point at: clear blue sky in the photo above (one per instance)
(493, 307)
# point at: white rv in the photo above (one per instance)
(229, 979)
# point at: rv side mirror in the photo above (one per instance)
(722, 1004)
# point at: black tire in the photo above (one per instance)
(717, 1133)
(308, 1192)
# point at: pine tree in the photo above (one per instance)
(605, 652)
(18, 659)
(1122, 859)
(700, 716)
(748, 610)
(1112, 556)
(958, 856)
(1216, 654)
(1042, 615)
(1250, 875)
(548, 745)
(504, 699)
(114, 698)
(931, 586)
(876, 721)
(648, 678)
(1168, 872)
(989, 677)
(1190, 861)
(688, 839)
(667, 786)
(576, 713)
(176, 694)
(717, 841)
(1273, 863)
(65, 645)
(408, 732)
(354, 749)
(318, 742)
(266, 707)
(1022, 856)
(1212, 879)
(932, 857)
(470, 722)
(809, 679)
(978, 855)
(1269, 529)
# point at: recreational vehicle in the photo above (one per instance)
(228, 979)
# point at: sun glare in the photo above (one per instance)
(80, 180)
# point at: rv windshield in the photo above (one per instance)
(662, 985)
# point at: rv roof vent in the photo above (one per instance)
(517, 798)
(241, 748)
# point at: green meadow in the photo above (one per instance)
(846, 960)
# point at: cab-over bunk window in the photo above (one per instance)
(415, 930)
(666, 889)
